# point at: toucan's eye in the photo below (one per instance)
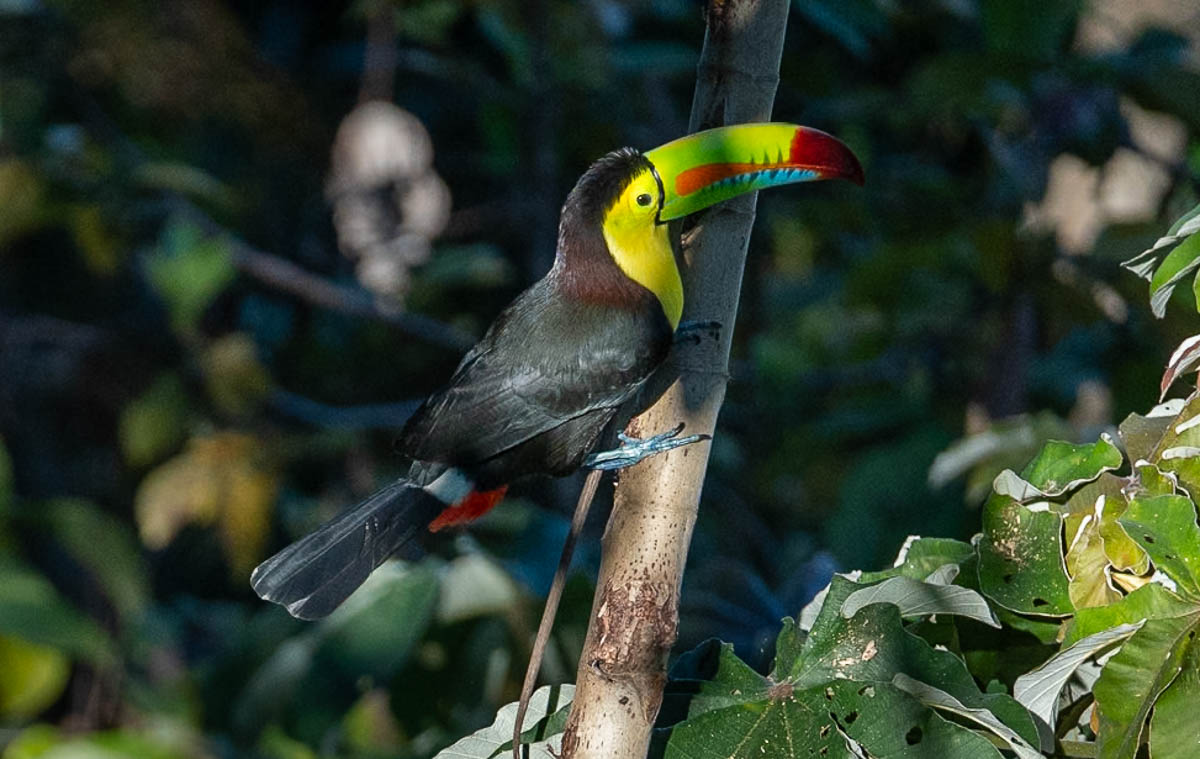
(644, 199)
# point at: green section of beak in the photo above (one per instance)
(717, 164)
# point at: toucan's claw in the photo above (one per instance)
(634, 450)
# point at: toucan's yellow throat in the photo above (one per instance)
(639, 244)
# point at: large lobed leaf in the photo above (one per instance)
(860, 684)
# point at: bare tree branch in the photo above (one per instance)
(635, 614)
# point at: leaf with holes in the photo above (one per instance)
(939, 699)
(835, 692)
(1021, 559)
(823, 721)
(1132, 680)
(1165, 527)
(872, 646)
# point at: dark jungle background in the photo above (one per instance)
(239, 240)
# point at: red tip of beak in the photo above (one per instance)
(826, 154)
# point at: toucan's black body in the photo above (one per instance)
(534, 395)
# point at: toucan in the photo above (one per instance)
(536, 393)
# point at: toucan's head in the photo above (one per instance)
(630, 196)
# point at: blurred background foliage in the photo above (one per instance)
(238, 241)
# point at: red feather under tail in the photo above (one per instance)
(475, 505)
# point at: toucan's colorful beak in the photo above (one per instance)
(714, 165)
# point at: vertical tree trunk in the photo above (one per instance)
(635, 614)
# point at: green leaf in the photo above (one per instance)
(375, 629)
(1021, 559)
(828, 618)
(1122, 551)
(236, 380)
(32, 742)
(106, 547)
(822, 721)
(545, 717)
(919, 599)
(734, 682)
(1179, 264)
(1176, 452)
(1145, 263)
(1173, 733)
(32, 677)
(1095, 509)
(40, 742)
(1141, 434)
(1086, 565)
(834, 694)
(1151, 601)
(1038, 689)
(1165, 527)
(188, 270)
(372, 633)
(475, 586)
(155, 423)
(1058, 468)
(31, 609)
(921, 556)
(872, 646)
(789, 644)
(1132, 680)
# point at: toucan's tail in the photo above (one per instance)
(312, 576)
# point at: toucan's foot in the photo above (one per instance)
(695, 331)
(634, 449)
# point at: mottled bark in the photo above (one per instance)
(635, 614)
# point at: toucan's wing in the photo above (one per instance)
(544, 362)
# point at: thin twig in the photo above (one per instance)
(285, 276)
(586, 496)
